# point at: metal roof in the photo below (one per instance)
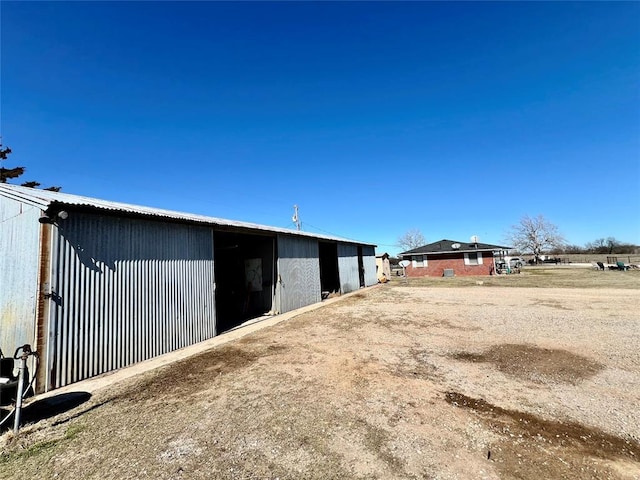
(46, 199)
(446, 246)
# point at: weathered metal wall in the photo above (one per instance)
(126, 290)
(348, 267)
(298, 282)
(369, 261)
(19, 251)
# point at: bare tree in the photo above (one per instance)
(599, 245)
(612, 244)
(535, 235)
(412, 238)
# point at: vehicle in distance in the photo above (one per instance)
(516, 262)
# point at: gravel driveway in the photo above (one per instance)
(395, 382)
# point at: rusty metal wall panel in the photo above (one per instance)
(126, 290)
(298, 273)
(369, 262)
(348, 267)
(19, 265)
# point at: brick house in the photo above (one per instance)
(452, 258)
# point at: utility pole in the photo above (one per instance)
(296, 218)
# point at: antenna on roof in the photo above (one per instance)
(296, 218)
(475, 239)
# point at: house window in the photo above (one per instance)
(473, 258)
(419, 261)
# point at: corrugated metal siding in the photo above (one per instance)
(19, 251)
(348, 267)
(369, 261)
(298, 273)
(126, 290)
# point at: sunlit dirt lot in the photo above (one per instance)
(407, 380)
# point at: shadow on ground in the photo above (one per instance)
(46, 408)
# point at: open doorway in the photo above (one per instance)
(244, 271)
(360, 267)
(329, 276)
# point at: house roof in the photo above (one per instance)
(55, 201)
(447, 246)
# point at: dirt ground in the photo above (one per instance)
(395, 382)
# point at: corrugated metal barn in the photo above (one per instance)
(96, 285)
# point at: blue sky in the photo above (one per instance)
(453, 118)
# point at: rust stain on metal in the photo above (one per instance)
(42, 313)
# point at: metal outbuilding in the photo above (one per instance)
(95, 285)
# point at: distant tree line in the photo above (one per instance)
(600, 246)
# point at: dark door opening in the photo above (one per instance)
(360, 267)
(329, 276)
(244, 271)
